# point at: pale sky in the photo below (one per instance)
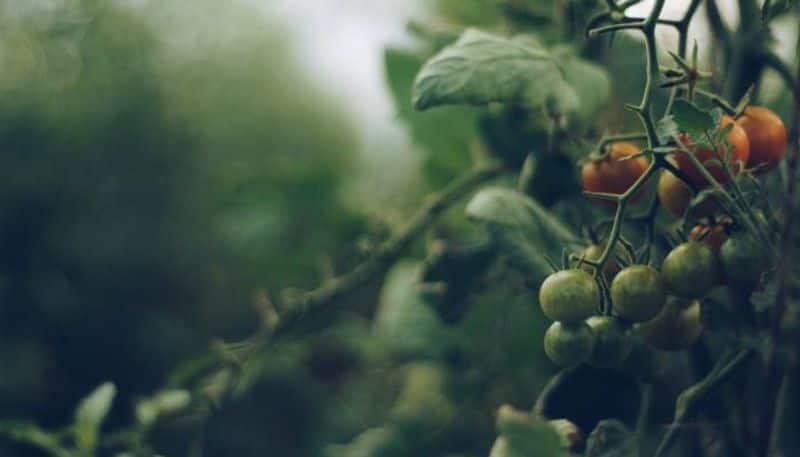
(341, 41)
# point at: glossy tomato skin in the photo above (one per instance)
(743, 260)
(767, 136)
(569, 345)
(737, 137)
(677, 326)
(637, 293)
(569, 296)
(612, 343)
(690, 270)
(611, 174)
(675, 196)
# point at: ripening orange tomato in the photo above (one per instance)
(767, 136)
(737, 138)
(611, 174)
(675, 196)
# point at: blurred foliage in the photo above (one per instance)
(155, 161)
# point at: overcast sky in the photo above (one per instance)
(341, 41)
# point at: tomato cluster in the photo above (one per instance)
(662, 307)
(757, 141)
(640, 296)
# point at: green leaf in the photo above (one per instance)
(164, 403)
(692, 120)
(90, 414)
(444, 134)
(30, 433)
(612, 439)
(521, 228)
(438, 35)
(481, 68)
(524, 435)
(590, 83)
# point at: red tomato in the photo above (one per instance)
(741, 151)
(767, 136)
(611, 174)
(713, 237)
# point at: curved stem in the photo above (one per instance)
(293, 310)
(682, 27)
(690, 400)
(644, 111)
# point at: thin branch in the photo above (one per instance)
(293, 310)
(691, 399)
(771, 60)
(785, 263)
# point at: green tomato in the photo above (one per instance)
(612, 343)
(676, 327)
(638, 293)
(690, 270)
(569, 296)
(569, 345)
(743, 259)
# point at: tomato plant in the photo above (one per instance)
(612, 343)
(715, 157)
(510, 282)
(712, 236)
(766, 135)
(569, 296)
(690, 270)
(676, 327)
(676, 196)
(569, 345)
(638, 293)
(615, 171)
(743, 259)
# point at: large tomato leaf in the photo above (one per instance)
(444, 134)
(482, 68)
(523, 230)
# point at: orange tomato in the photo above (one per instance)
(612, 174)
(675, 196)
(737, 138)
(767, 136)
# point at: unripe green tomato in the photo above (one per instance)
(690, 270)
(569, 296)
(611, 268)
(743, 259)
(638, 293)
(676, 327)
(612, 342)
(569, 345)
